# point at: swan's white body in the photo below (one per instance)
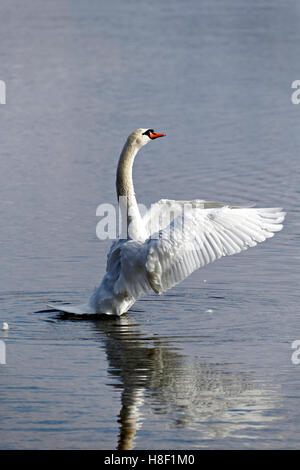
(171, 241)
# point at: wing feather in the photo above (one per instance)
(162, 213)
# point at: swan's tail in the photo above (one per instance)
(78, 309)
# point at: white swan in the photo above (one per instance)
(189, 235)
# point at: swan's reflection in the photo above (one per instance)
(217, 403)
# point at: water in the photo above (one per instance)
(207, 365)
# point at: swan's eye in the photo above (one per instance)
(152, 135)
(148, 133)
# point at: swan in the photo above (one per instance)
(168, 243)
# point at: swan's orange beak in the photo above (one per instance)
(155, 135)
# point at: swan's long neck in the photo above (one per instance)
(124, 172)
(132, 223)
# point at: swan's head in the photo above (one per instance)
(141, 137)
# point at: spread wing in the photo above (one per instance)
(203, 235)
(194, 238)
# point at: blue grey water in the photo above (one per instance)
(208, 364)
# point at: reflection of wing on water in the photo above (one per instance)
(204, 397)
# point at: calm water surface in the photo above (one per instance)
(208, 365)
